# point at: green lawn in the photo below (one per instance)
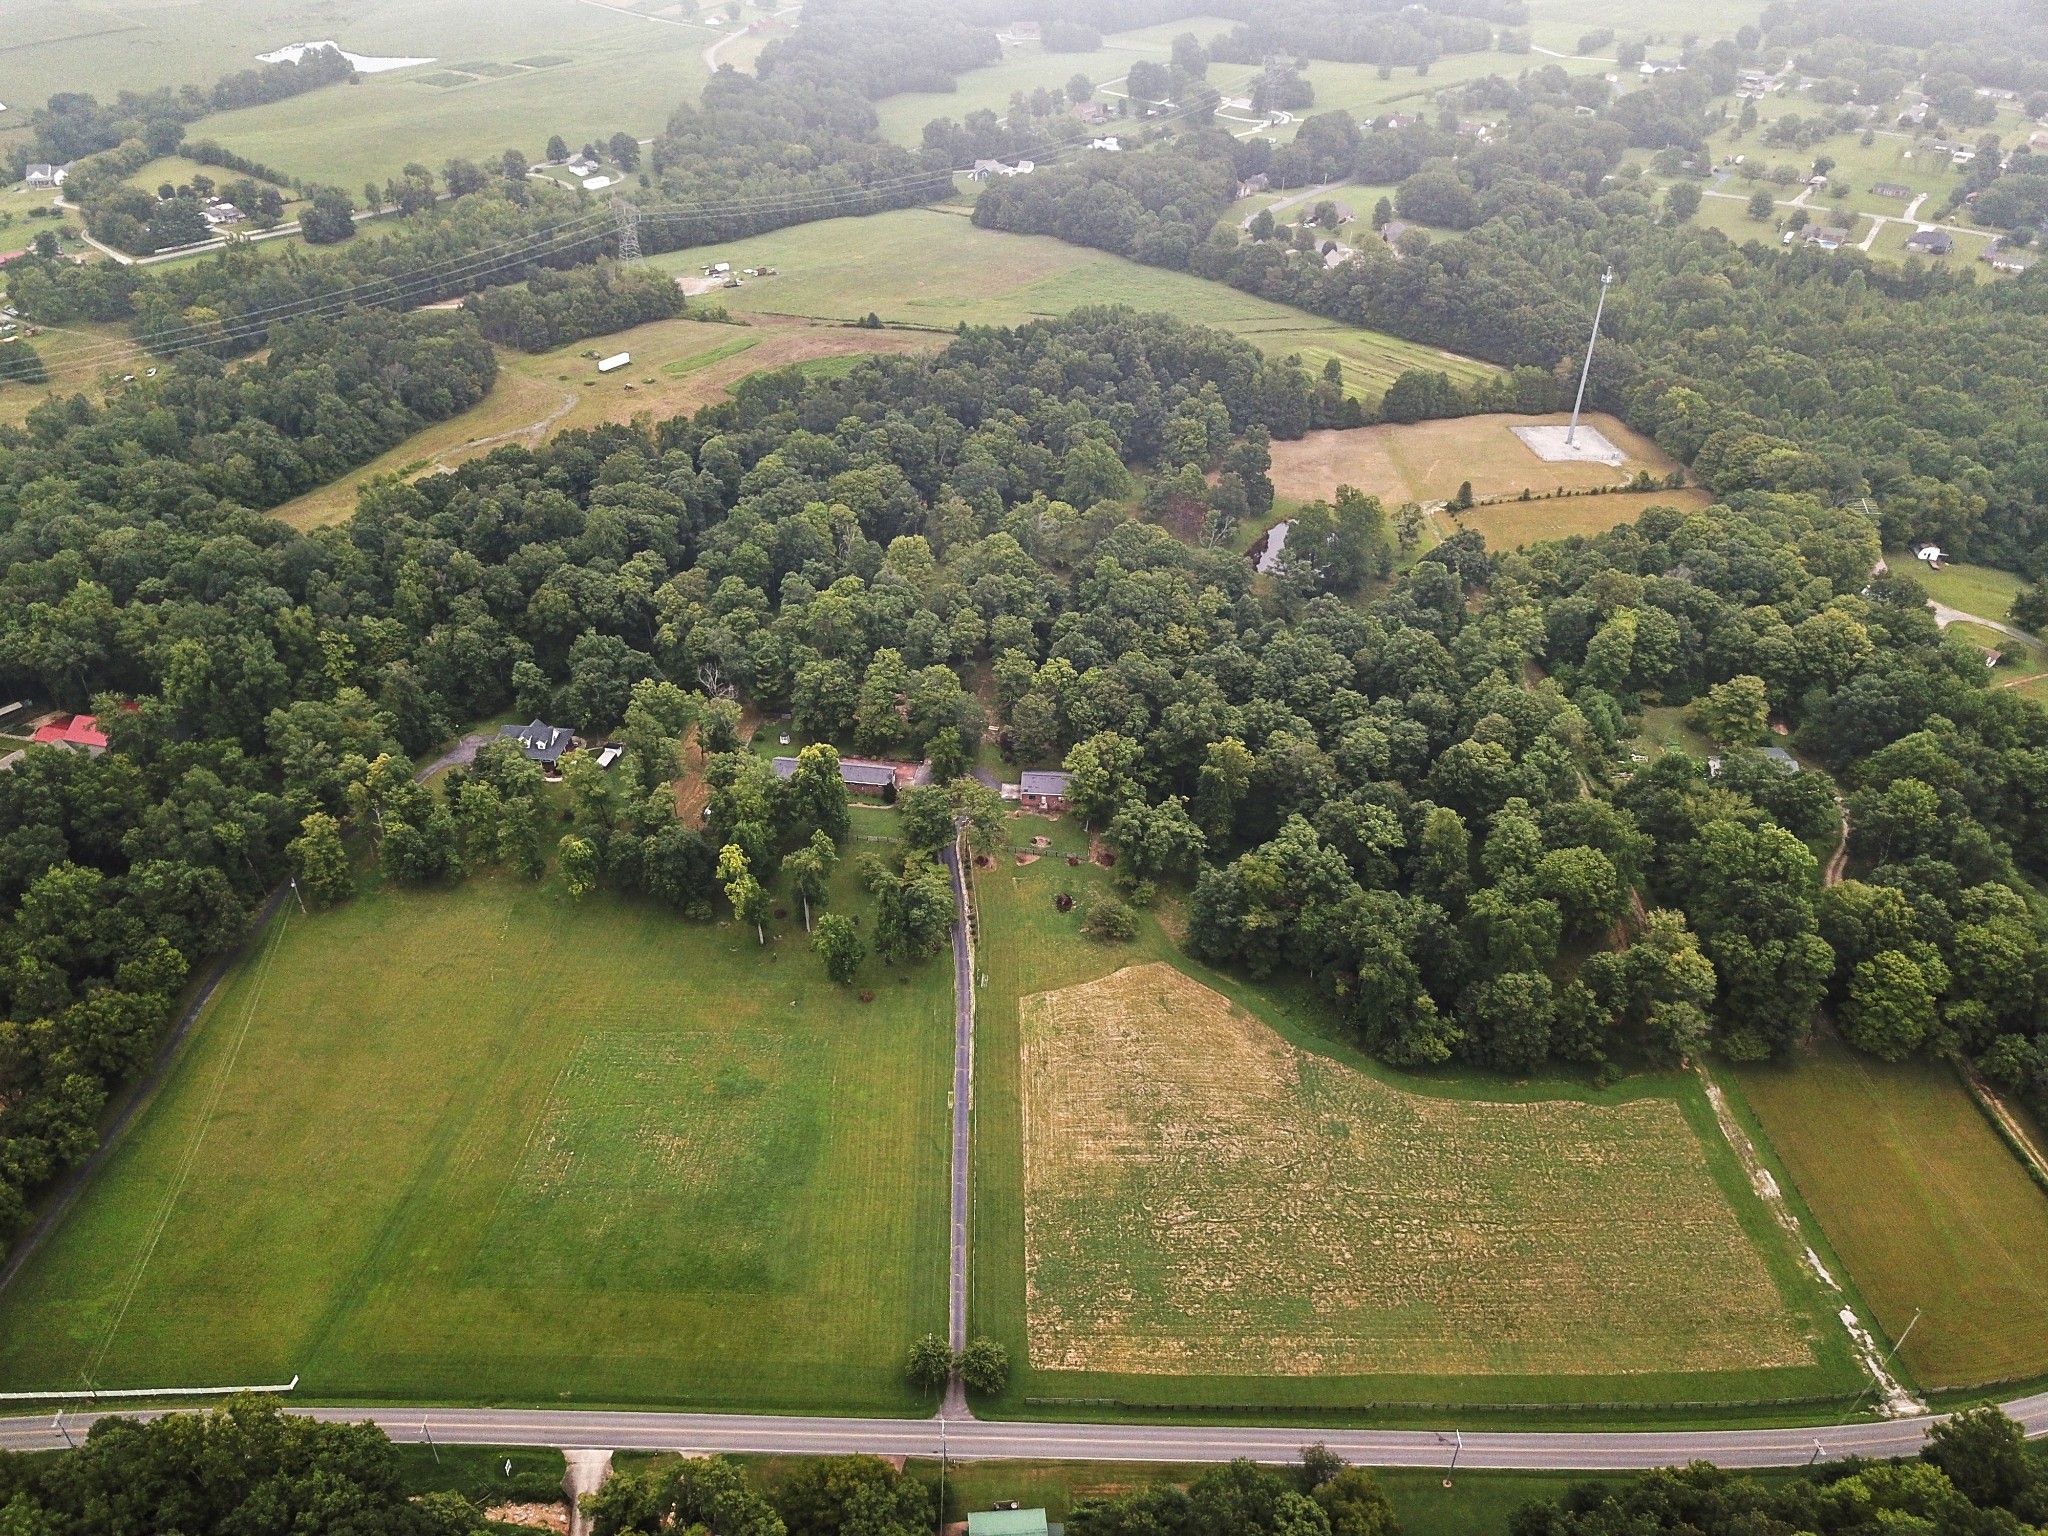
(487, 1145)
(620, 73)
(923, 267)
(1928, 1209)
(1027, 947)
(1978, 589)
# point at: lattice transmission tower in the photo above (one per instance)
(628, 219)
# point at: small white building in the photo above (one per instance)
(46, 175)
(615, 362)
(1931, 553)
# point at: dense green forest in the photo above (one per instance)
(1353, 773)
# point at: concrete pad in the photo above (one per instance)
(1589, 446)
(586, 1473)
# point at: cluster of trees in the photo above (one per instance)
(881, 48)
(984, 1366)
(1385, 33)
(1322, 1496)
(555, 307)
(1975, 1478)
(331, 394)
(825, 1496)
(500, 234)
(248, 1466)
(798, 139)
(73, 125)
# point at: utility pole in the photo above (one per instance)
(1585, 372)
(628, 219)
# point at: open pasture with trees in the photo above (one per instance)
(493, 1143)
(1931, 1212)
(678, 366)
(1203, 1198)
(925, 267)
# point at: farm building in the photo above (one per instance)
(1008, 1522)
(1092, 112)
(1895, 189)
(861, 775)
(81, 733)
(1931, 242)
(1044, 791)
(615, 362)
(542, 743)
(46, 175)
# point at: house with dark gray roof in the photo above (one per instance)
(1043, 791)
(542, 743)
(861, 775)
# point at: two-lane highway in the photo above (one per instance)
(982, 1439)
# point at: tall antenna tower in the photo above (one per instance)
(628, 219)
(1606, 281)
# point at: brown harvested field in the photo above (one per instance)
(1204, 1198)
(1508, 524)
(1428, 460)
(674, 371)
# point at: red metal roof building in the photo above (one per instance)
(80, 731)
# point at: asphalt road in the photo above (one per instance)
(980, 1439)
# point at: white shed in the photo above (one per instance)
(615, 362)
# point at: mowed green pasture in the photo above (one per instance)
(621, 72)
(487, 1144)
(1028, 947)
(920, 266)
(1929, 1210)
(1979, 589)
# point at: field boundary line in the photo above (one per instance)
(139, 1096)
(2010, 1129)
(185, 1166)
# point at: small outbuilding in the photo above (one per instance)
(540, 742)
(615, 362)
(1043, 792)
(1007, 1522)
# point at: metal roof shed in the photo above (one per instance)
(1006, 1522)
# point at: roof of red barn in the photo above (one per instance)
(78, 731)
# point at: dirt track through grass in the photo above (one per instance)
(1202, 1197)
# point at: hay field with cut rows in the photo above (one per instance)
(1204, 1198)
